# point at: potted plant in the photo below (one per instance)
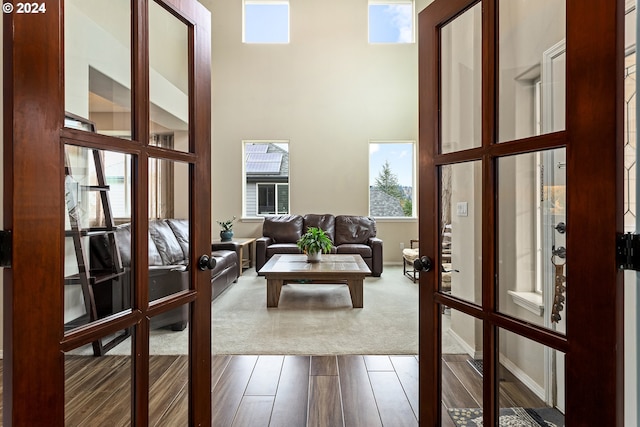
(314, 242)
(226, 233)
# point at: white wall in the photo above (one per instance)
(328, 92)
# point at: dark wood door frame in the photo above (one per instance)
(34, 339)
(593, 137)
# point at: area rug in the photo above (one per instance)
(310, 320)
(509, 417)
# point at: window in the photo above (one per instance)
(390, 21)
(266, 178)
(391, 179)
(266, 22)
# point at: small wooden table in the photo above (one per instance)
(332, 268)
(246, 256)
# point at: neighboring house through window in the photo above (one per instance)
(391, 179)
(266, 175)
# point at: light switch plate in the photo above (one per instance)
(462, 209)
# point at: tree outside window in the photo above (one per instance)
(391, 179)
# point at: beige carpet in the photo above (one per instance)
(311, 319)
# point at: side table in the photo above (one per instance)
(246, 245)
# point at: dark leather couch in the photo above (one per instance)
(169, 263)
(350, 234)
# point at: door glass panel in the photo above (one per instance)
(97, 49)
(631, 278)
(169, 228)
(97, 268)
(461, 81)
(97, 389)
(461, 228)
(532, 238)
(531, 378)
(168, 80)
(531, 70)
(461, 366)
(169, 368)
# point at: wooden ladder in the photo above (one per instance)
(90, 280)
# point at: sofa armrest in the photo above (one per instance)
(229, 246)
(376, 256)
(262, 243)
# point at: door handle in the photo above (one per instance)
(423, 263)
(206, 263)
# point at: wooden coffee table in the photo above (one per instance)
(333, 268)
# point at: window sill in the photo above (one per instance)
(531, 301)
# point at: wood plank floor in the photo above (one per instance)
(287, 391)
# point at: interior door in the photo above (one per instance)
(520, 153)
(107, 133)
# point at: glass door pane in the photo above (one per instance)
(98, 279)
(531, 70)
(531, 378)
(98, 64)
(461, 72)
(532, 270)
(460, 231)
(168, 80)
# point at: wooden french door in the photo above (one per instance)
(107, 128)
(520, 153)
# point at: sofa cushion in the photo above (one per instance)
(354, 229)
(180, 228)
(326, 222)
(282, 248)
(283, 228)
(363, 250)
(123, 240)
(224, 259)
(166, 242)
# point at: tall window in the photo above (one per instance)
(391, 21)
(265, 21)
(391, 179)
(266, 178)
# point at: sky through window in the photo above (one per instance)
(390, 23)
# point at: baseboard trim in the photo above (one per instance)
(467, 348)
(523, 377)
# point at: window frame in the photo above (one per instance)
(414, 171)
(245, 203)
(276, 185)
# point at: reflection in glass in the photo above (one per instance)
(168, 80)
(461, 228)
(532, 238)
(461, 365)
(98, 63)
(461, 81)
(97, 273)
(97, 391)
(531, 379)
(531, 89)
(168, 372)
(168, 229)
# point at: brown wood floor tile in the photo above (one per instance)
(292, 398)
(358, 401)
(325, 406)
